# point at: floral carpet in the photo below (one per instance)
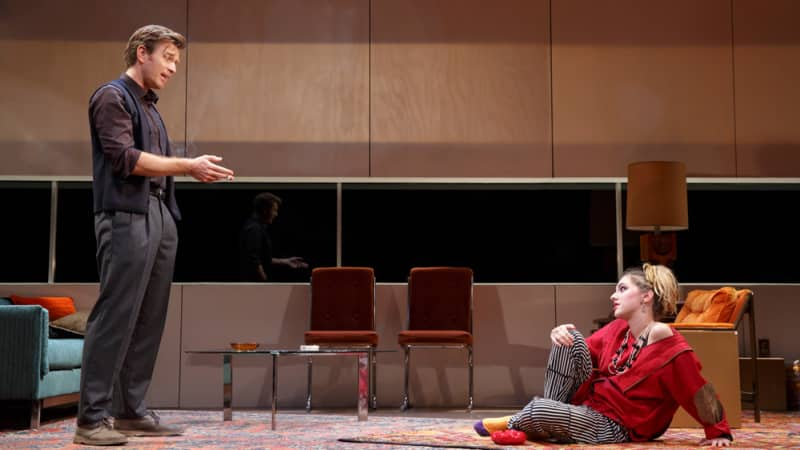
(298, 430)
(776, 430)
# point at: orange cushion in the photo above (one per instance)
(57, 307)
(702, 326)
(708, 306)
(742, 296)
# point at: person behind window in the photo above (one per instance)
(624, 382)
(255, 246)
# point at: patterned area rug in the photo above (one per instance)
(248, 430)
(298, 430)
(776, 430)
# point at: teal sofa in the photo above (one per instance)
(35, 368)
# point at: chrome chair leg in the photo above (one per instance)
(308, 391)
(471, 384)
(373, 378)
(405, 405)
(754, 359)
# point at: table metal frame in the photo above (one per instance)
(362, 353)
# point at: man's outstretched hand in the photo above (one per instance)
(296, 262)
(204, 168)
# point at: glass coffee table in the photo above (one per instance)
(361, 353)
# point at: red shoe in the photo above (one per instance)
(509, 437)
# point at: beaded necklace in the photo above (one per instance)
(613, 368)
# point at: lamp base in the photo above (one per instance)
(658, 248)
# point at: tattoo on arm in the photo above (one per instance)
(709, 409)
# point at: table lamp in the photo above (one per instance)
(657, 204)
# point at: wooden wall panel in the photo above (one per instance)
(440, 87)
(216, 315)
(767, 68)
(641, 81)
(511, 327)
(582, 305)
(459, 88)
(280, 88)
(776, 309)
(55, 54)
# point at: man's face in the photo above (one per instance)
(158, 67)
(271, 214)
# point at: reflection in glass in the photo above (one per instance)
(505, 233)
(738, 233)
(25, 231)
(209, 231)
(508, 233)
(75, 242)
(213, 215)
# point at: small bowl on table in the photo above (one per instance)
(244, 346)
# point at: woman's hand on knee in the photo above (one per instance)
(560, 335)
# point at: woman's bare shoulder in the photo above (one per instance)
(660, 331)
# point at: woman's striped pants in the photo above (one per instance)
(552, 417)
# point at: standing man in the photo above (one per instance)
(134, 216)
(255, 245)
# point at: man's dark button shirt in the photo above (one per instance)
(115, 129)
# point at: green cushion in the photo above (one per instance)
(64, 353)
(60, 382)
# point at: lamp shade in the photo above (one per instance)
(657, 196)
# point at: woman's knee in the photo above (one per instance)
(577, 336)
(582, 359)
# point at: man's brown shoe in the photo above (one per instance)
(148, 425)
(101, 434)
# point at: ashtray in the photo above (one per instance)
(244, 346)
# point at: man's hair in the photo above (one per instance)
(150, 36)
(264, 201)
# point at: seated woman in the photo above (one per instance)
(625, 382)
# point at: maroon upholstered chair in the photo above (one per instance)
(343, 315)
(439, 315)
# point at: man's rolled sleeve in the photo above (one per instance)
(115, 131)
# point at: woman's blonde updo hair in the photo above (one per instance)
(660, 280)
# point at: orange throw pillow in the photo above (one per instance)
(57, 307)
(706, 306)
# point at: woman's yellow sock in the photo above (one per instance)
(486, 426)
(496, 424)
